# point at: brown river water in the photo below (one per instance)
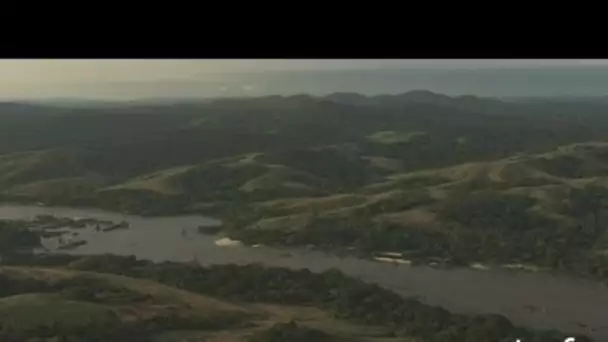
(536, 300)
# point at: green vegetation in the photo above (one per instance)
(49, 315)
(454, 180)
(345, 298)
(461, 180)
(59, 305)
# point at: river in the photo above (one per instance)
(538, 300)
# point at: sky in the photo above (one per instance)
(34, 79)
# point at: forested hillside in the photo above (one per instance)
(112, 298)
(450, 180)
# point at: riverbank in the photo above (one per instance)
(343, 297)
(566, 301)
(217, 228)
(326, 237)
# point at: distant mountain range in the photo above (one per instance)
(420, 96)
(426, 96)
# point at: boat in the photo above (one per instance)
(227, 242)
(73, 244)
(122, 225)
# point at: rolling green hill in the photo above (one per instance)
(461, 180)
(112, 298)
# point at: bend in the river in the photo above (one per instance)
(538, 300)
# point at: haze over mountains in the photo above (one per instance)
(127, 80)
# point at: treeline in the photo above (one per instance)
(495, 227)
(360, 233)
(346, 297)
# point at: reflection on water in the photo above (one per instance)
(558, 302)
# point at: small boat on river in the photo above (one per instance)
(72, 245)
(122, 225)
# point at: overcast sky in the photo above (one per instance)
(63, 78)
(76, 71)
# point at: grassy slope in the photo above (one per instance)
(26, 312)
(288, 191)
(526, 176)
